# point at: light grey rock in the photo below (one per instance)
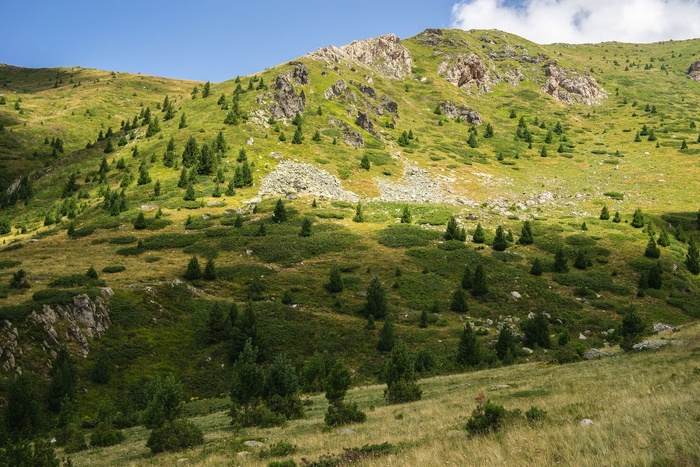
(499, 387)
(346, 431)
(527, 351)
(384, 54)
(336, 90)
(655, 344)
(694, 70)
(593, 354)
(300, 73)
(586, 422)
(364, 122)
(294, 178)
(287, 103)
(516, 295)
(453, 110)
(572, 87)
(659, 327)
(254, 444)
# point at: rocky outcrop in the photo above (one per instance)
(384, 54)
(595, 354)
(287, 103)
(350, 135)
(336, 90)
(365, 123)
(75, 325)
(389, 104)
(655, 344)
(436, 37)
(468, 71)
(452, 110)
(300, 73)
(694, 70)
(572, 87)
(292, 178)
(368, 91)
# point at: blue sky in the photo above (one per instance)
(217, 40)
(203, 40)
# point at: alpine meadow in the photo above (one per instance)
(456, 248)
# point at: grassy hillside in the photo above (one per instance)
(559, 183)
(642, 407)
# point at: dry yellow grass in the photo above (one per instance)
(644, 409)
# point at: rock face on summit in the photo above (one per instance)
(572, 87)
(466, 71)
(385, 54)
(694, 70)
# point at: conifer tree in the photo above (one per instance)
(631, 328)
(652, 251)
(182, 182)
(280, 214)
(692, 258)
(23, 418)
(454, 231)
(526, 234)
(364, 163)
(305, 227)
(663, 238)
(209, 273)
(423, 322)
(63, 380)
(637, 218)
(680, 234)
(401, 376)
(467, 281)
(298, 137)
(479, 283)
(335, 282)
(655, 280)
(406, 215)
(109, 147)
(536, 331)
(153, 127)
(488, 132)
(604, 214)
(472, 141)
(140, 222)
(247, 386)
(617, 218)
(560, 261)
(506, 345)
(580, 262)
(206, 90)
(336, 385)
(499, 241)
(376, 304)
(189, 193)
(193, 271)
(144, 176)
(468, 351)
(459, 301)
(386, 335)
(359, 214)
(183, 121)
(479, 235)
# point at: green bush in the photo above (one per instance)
(279, 449)
(174, 436)
(344, 414)
(123, 240)
(9, 263)
(486, 418)
(105, 434)
(171, 240)
(76, 280)
(113, 269)
(406, 236)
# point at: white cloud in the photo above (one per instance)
(583, 21)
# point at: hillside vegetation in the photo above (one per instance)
(415, 150)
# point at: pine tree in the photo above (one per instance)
(655, 280)
(335, 281)
(692, 258)
(652, 251)
(182, 183)
(298, 138)
(401, 376)
(467, 281)
(506, 345)
(684, 145)
(631, 328)
(536, 331)
(406, 215)
(190, 154)
(526, 234)
(479, 284)
(206, 90)
(189, 193)
(364, 163)
(637, 219)
(499, 241)
(617, 218)
(637, 138)
(386, 335)
(423, 323)
(459, 301)
(680, 234)
(63, 380)
(488, 133)
(247, 386)
(543, 152)
(209, 273)
(468, 350)
(336, 385)
(604, 214)
(479, 235)
(183, 121)
(581, 262)
(23, 407)
(376, 299)
(560, 261)
(280, 214)
(109, 147)
(153, 127)
(207, 161)
(317, 136)
(454, 231)
(193, 271)
(144, 176)
(663, 238)
(140, 222)
(305, 227)
(359, 215)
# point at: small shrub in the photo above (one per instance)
(487, 417)
(174, 436)
(105, 434)
(113, 269)
(279, 449)
(535, 414)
